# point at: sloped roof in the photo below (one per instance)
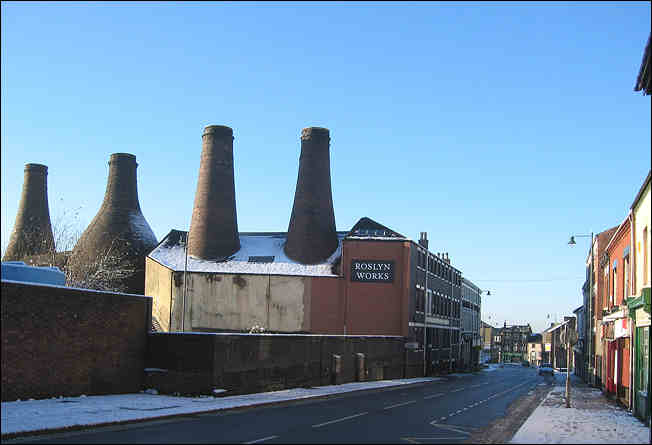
(260, 253)
(643, 78)
(367, 228)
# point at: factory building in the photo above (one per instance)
(370, 280)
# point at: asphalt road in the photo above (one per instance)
(437, 412)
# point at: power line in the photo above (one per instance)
(531, 281)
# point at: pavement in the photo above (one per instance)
(591, 418)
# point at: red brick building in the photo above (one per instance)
(616, 270)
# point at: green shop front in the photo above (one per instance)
(639, 312)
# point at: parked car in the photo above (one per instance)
(546, 368)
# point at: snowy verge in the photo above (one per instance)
(67, 412)
(554, 423)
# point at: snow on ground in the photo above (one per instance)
(594, 421)
(492, 367)
(55, 413)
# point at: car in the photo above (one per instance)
(546, 368)
(525, 363)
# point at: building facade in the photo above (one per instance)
(512, 343)
(616, 265)
(638, 304)
(578, 349)
(377, 282)
(535, 349)
(558, 348)
(471, 339)
(489, 353)
(595, 300)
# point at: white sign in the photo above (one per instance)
(436, 320)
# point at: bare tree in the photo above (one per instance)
(108, 269)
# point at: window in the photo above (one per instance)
(626, 284)
(615, 284)
(606, 286)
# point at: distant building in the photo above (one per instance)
(579, 348)
(558, 352)
(534, 349)
(512, 343)
(489, 352)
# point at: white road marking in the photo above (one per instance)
(400, 404)
(434, 395)
(261, 440)
(339, 420)
(456, 390)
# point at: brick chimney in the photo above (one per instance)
(119, 230)
(32, 234)
(214, 224)
(311, 233)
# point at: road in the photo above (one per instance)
(444, 411)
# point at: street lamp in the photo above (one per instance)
(589, 335)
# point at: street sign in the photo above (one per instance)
(569, 337)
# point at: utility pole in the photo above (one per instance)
(185, 285)
(567, 366)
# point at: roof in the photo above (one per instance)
(639, 195)
(578, 309)
(368, 229)
(552, 328)
(260, 253)
(534, 338)
(643, 78)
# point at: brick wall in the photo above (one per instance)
(59, 341)
(197, 363)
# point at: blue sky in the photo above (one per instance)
(498, 128)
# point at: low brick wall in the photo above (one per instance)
(60, 341)
(197, 363)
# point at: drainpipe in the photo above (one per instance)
(632, 287)
(425, 305)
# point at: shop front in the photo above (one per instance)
(639, 312)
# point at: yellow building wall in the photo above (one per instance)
(158, 285)
(642, 221)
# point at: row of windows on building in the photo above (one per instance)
(439, 305)
(438, 338)
(438, 268)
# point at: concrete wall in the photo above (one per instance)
(158, 284)
(60, 341)
(233, 302)
(238, 302)
(246, 363)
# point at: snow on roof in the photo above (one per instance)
(171, 254)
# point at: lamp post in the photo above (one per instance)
(589, 336)
(488, 293)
